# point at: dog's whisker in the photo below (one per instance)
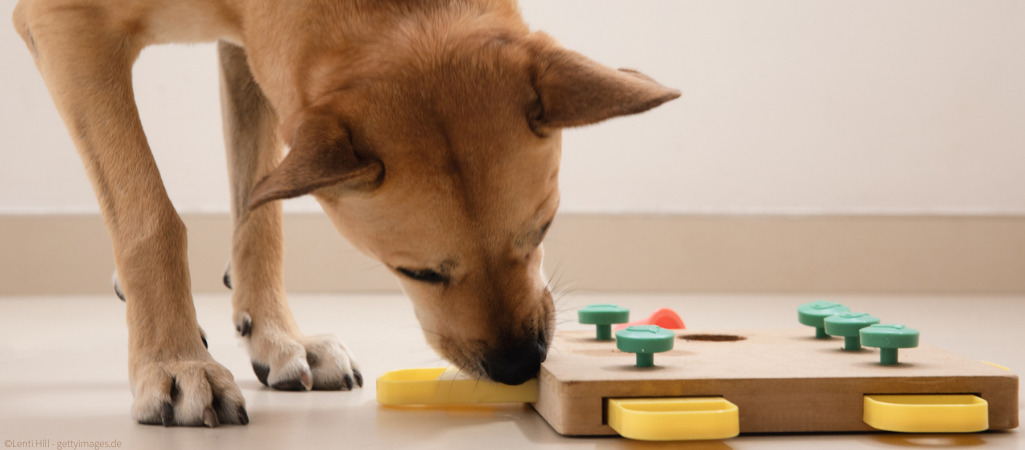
(455, 376)
(434, 361)
(553, 276)
(556, 273)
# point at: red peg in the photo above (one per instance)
(664, 317)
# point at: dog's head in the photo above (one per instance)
(437, 152)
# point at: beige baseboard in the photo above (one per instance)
(70, 254)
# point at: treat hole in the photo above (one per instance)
(712, 337)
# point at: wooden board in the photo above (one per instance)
(782, 381)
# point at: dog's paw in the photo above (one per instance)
(294, 362)
(186, 393)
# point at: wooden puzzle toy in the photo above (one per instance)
(714, 385)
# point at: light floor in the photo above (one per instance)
(63, 373)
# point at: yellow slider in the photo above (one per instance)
(438, 386)
(927, 413)
(674, 419)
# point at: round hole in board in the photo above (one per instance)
(712, 337)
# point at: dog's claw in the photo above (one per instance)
(348, 382)
(290, 385)
(306, 378)
(261, 372)
(359, 377)
(246, 327)
(243, 417)
(167, 414)
(210, 418)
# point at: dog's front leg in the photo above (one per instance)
(86, 61)
(282, 356)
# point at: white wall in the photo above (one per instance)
(813, 106)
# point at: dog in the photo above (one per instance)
(429, 131)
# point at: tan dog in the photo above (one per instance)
(428, 130)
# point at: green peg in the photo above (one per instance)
(645, 341)
(849, 325)
(603, 316)
(813, 314)
(888, 338)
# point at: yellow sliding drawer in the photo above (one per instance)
(438, 386)
(674, 419)
(927, 413)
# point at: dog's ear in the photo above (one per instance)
(575, 90)
(321, 155)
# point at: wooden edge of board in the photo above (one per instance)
(577, 407)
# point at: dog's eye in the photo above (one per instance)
(423, 275)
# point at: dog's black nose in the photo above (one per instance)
(515, 364)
